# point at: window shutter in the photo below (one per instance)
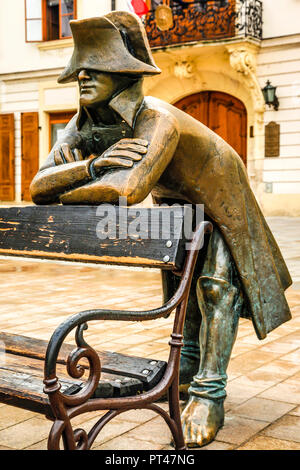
(30, 151)
(7, 157)
(34, 20)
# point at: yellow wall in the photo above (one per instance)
(52, 98)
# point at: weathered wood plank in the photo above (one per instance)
(21, 384)
(110, 385)
(75, 233)
(13, 392)
(111, 362)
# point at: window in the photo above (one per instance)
(57, 123)
(46, 20)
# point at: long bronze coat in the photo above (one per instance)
(188, 161)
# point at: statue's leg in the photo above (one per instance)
(190, 352)
(220, 300)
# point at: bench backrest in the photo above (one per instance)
(152, 237)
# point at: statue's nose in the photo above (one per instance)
(83, 75)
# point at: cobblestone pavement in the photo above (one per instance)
(263, 402)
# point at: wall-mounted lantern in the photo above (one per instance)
(269, 92)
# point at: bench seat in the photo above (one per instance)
(22, 373)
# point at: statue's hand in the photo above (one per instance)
(64, 154)
(122, 154)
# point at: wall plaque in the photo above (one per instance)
(272, 139)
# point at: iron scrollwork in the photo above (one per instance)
(253, 23)
(200, 21)
(78, 438)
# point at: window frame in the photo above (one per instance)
(28, 19)
(59, 117)
(66, 14)
(44, 21)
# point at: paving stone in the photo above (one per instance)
(269, 443)
(252, 380)
(216, 445)
(293, 357)
(294, 379)
(286, 392)
(10, 415)
(262, 409)
(155, 431)
(135, 339)
(86, 417)
(241, 348)
(237, 430)
(295, 411)
(280, 347)
(111, 430)
(145, 350)
(287, 428)
(250, 361)
(25, 434)
(42, 445)
(127, 443)
(162, 355)
(238, 393)
(276, 370)
(138, 416)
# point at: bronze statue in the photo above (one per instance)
(124, 144)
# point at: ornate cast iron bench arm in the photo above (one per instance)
(65, 407)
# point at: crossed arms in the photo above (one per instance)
(130, 168)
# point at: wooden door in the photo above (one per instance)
(29, 151)
(7, 157)
(223, 113)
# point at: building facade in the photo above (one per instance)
(215, 57)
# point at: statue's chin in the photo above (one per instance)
(85, 101)
(88, 102)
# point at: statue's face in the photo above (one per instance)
(96, 88)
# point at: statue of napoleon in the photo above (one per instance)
(122, 143)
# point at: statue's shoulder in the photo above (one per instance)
(177, 114)
(150, 102)
(157, 110)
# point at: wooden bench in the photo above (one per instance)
(115, 382)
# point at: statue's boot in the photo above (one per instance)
(220, 303)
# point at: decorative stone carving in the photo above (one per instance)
(243, 60)
(184, 69)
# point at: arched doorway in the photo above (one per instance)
(223, 113)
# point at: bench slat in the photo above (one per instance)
(24, 391)
(70, 233)
(21, 383)
(111, 362)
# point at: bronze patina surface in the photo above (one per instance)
(124, 144)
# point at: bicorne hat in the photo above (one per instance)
(114, 43)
